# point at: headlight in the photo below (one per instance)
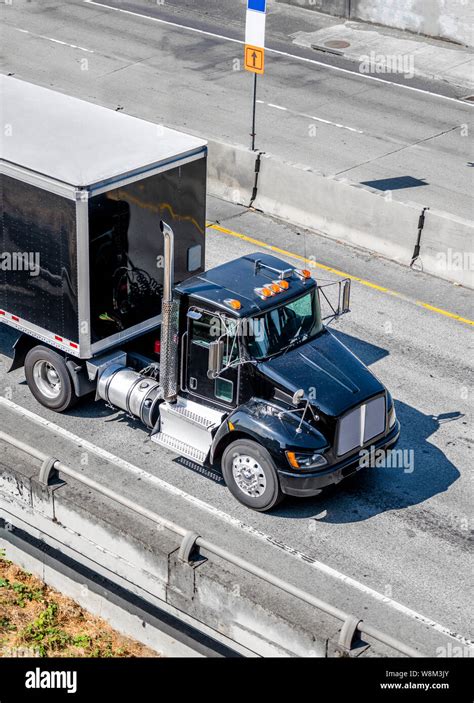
(392, 416)
(306, 461)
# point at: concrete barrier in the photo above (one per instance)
(227, 603)
(449, 19)
(339, 8)
(354, 214)
(231, 172)
(447, 247)
(349, 212)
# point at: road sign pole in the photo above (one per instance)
(254, 110)
(254, 49)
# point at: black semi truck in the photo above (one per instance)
(102, 273)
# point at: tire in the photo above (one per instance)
(48, 379)
(260, 489)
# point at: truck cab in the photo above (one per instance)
(265, 389)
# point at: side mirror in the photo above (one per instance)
(332, 305)
(216, 356)
(346, 296)
(297, 397)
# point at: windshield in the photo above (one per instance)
(282, 327)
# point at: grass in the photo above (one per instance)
(36, 620)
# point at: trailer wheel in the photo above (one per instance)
(48, 379)
(250, 475)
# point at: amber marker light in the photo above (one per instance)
(291, 456)
(264, 292)
(304, 273)
(234, 304)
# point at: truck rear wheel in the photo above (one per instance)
(250, 475)
(48, 379)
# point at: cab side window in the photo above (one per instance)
(203, 330)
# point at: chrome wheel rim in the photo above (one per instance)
(249, 475)
(47, 380)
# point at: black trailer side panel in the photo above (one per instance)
(126, 245)
(38, 264)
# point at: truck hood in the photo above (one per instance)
(332, 377)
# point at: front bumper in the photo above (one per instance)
(304, 485)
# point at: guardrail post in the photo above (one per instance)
(182, 565)
(47, 471)
(349, 643)
(43, 487)
(188, 546)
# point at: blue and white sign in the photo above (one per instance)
(257, 5)
(255, 24)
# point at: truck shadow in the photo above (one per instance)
(414, 472)
(7, 340)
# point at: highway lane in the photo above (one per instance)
(399, 533)
(415, 144)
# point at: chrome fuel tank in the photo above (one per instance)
(128, 390)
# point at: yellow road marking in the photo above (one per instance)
(362, 281)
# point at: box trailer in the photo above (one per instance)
(102, 272)
(83, 191)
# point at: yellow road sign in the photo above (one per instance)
(254, 59)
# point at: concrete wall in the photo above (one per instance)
(445, 19)
(231, 171)
(353, 214)
(447, 247)
(339, 8)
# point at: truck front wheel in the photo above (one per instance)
(250, 475)
(48, 379)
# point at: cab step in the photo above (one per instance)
(181, 448)
(195, 414)
(187, 428)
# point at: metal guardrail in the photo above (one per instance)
(351, 625)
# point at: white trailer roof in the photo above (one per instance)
(77, 142)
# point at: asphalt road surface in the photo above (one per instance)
(176, 64)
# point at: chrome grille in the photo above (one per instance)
(361, 425)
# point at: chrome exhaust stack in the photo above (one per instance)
(169, 322)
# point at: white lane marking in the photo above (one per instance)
(56, 41)
(312, 117)
(279, 53)
(235, 522)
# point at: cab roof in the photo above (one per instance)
(238, 279)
